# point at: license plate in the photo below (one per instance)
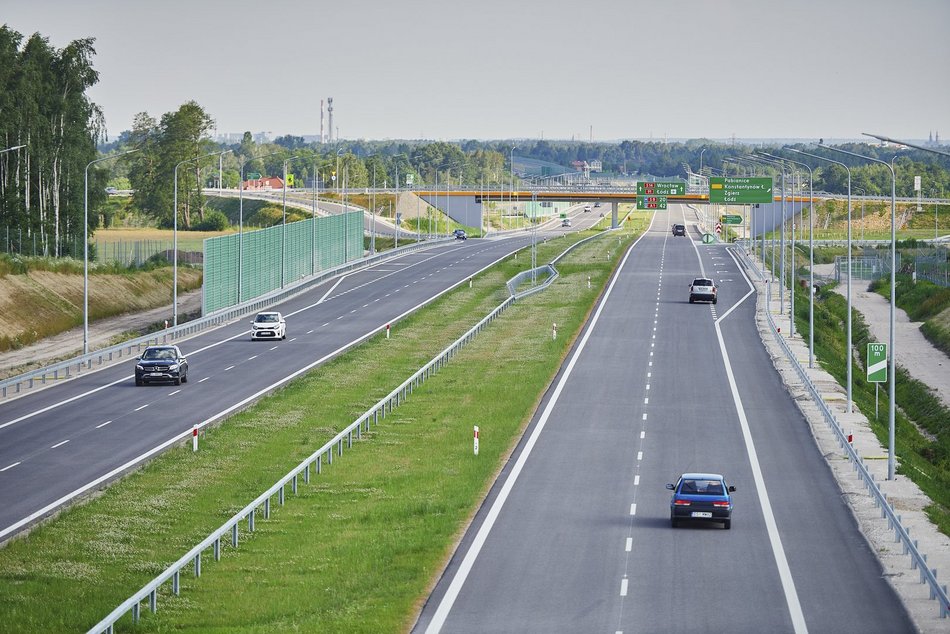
(155, 374)
(701, 514)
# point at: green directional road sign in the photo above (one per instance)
(661, 188)
(740, 190)
(651, 202)
(877, 363)
(731, 219)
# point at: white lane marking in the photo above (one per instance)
(633, 509)
(10, 466)
(353, 311)
(629, 545)
(636, 480)
(325, 325)
(252, 358)
(59, 444)
(646, 401)
(204, 379)
(775, 540)
(271, 348)
(651, 364)
(643, 435)
(648, 386)
(644, 416)
(103, 424)
(142, 407)
(292, 339)
(174, 393)
(230, 367)
(639, 456)
(649, 374)
(452, 592)
(623, 588)
(308, 332)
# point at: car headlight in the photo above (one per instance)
(139, 366)
(173, 366)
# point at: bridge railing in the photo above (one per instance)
(901, 534)
(96, 359)
(312, 464)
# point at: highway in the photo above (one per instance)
(77, 435)
(575, 534)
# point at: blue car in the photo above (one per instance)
(701, 496)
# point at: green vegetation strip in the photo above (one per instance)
(357, 549)
(922, 457)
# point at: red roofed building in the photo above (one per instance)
(269, 183)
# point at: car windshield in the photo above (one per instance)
(154, 354)
(702, 487)
(267, 319)
(702, 282)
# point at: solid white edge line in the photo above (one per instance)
(775, 540)
(452, 592)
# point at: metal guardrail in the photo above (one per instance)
(901, 533)
(67, 369)
(314, 462)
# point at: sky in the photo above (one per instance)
(492, 69)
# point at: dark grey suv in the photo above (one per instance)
(679, 230)
(161, 363)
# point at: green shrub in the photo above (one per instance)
(214, 220)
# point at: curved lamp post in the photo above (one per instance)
(175, 234)
(241, 220)
(892, 377)
(811, 266)
(85, 248)
(850, 403)
(283, 224)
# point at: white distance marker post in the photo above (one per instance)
(476, 440)
(387, 331)
(554, 330)
(194, 438)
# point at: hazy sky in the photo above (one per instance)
(489, 69)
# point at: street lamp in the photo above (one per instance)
(17, 147)
(793, 273)
(511, 163)
(701, 152)
(175, 235)
(241, 220)
(781, 166)
(283, 226)
(811, 263)
(850, 403)
(85, 248)
(892, 377)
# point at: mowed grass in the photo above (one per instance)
(357, 549)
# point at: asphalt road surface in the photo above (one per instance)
(575, 535)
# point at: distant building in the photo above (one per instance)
(269, 183)
(596, 166)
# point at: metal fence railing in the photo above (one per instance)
(918, 560)
(313, 463)
(50, 374)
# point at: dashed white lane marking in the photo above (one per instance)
(309, 331)
(325, 325)
(340, 317)
(9, 466)
(636, 480)
(623, 587)
(639, 456)
(59, 444)
(629, 545)
(103, 424)
(230, 367)
(273, 348)
(365, 305)
(644, 416)
(633, 509)
(649, 374)
(643, 435)
(252, 358)
(646, 401)
(648, 386)
(353, 311)
(142, 407)
(291, 340)
(174, 393)
(204, 379)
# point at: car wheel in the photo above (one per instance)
(673, 522)
(178, 380)
(714, 301)
(727, 524)
(690, 300)
(138, 382)
(184, 377)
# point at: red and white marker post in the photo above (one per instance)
(194, 438)
(476, 440)
(387, 331)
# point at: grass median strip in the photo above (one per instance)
(356, 549)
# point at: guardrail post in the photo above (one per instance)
(176, 583)
(280, 496)
(293, 484)
(217, 549)
(198, 565)
(234, 535)
(153, 601)
(136, 610)
(267, 509)
(250, 521)
(349, 440)
(319, 464)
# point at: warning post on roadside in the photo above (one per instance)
(476, 440)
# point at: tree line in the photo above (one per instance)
(45, 109)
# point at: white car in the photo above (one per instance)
(565, 222)
(586, 208)
(269, 325)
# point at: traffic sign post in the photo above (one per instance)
(740, 190)
(877, 369)
(661, 188)
(651, 202)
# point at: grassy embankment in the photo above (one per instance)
(40, 297)
(355, 550)
(923, 457)
(874, 223)
(923, 301)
